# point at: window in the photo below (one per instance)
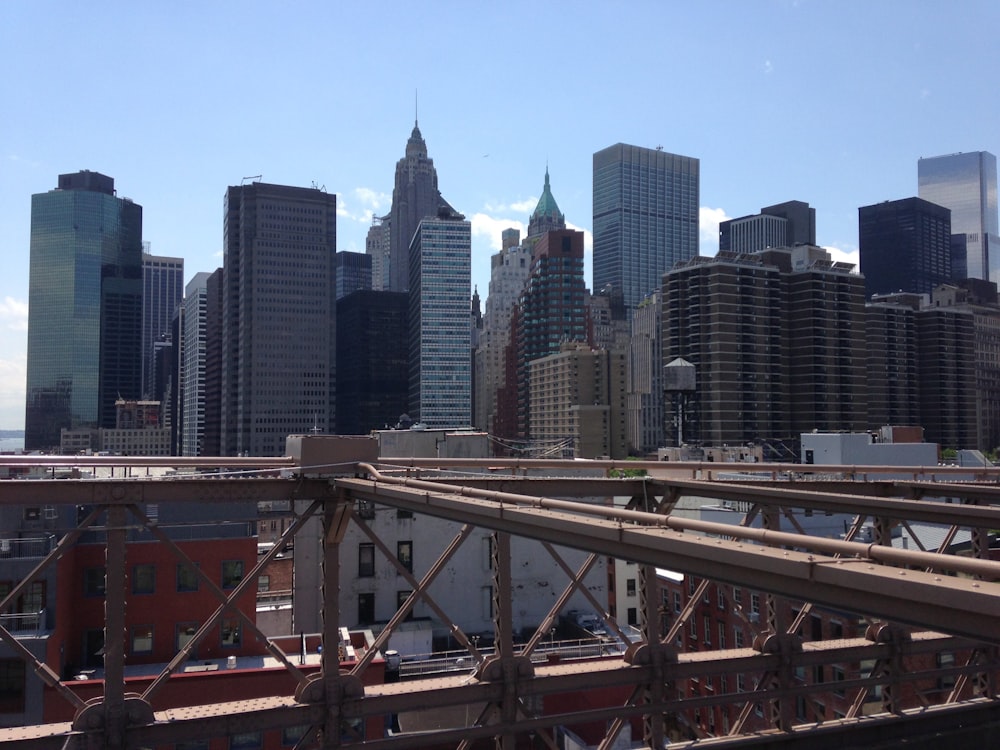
(187, 579)
(708, 631)
(401, 597)
(142, 639)
(633, 616)
(192, 745)
(290, 736)
(232, 632)
(245, 741)
(93, 582)
(404, 553)
(366, 560)
(232, 573)
(721, 599)
(755, 604)
(366, 609)
(737, 595)
(677, 602)
(630, 586)
(11, 686)
(722, 635)
(185, 632)
(738, 636)
(143, 579)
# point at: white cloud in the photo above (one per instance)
(588, 238)
(768, 67)
(708, 229)
(517, 207)
(361, 204)
(14, 314)
(847, 255)
(491, 228)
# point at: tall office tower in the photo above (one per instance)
(905, 246)
(645, 217)
(373, 384)
(782, 225)
(85, 302)
(550, 311)
(966, 183)
(377, 243)
(354, 272)
(279, 305)
(193, 362)
(162, 292)
(578, 402)
(726, 316)
(440, 286)
(415, 196)
(644, 401)
(211, 442)
(509, 269)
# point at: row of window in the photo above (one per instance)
(143, 578)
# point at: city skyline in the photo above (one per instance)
(766, 96)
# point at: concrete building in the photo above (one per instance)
(644, 398)
(645, 217)
(577, 399)
(551, 311)
(774, 338)
(782, 225)
(966, 184)
(85, 301)
(905, 246)
(279, 306)
(440, 367)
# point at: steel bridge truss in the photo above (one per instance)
(919, 603)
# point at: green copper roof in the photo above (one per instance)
(546, 204)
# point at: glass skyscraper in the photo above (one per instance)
(162, 292)
(967, 184)
(85, 307)
(440, 335)
(645, 217)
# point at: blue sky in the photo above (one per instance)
(827, 102)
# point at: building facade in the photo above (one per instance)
(279, 306)
(645, 217)
(162, 292)
(85, 302)
(966, 183)
(415, 196)
(577, 399)
(905, 246)
(372, 367)
(354, 272)
(193, 364)
(440, 286)
(645, 414)
(782, 225)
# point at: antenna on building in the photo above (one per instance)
(255, 178)
(416, 107)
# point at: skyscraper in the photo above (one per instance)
(415, 196)
(645, 217)
(85, 302)
(193, 361)
(905, 246)
(440, 287)
(966, 183)
(162, 292)
(279, 306)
